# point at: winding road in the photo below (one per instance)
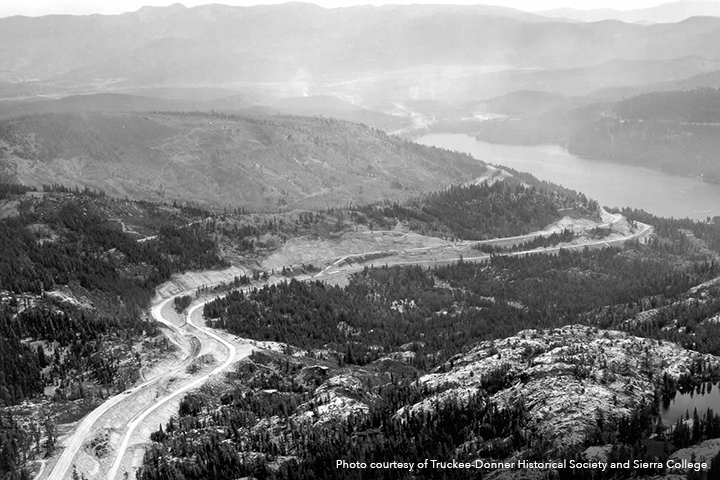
(199, 334)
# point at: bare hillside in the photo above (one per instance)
(221, 161)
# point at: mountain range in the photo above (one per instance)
(301, 49)
(665, 13)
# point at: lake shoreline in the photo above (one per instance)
(611, 184)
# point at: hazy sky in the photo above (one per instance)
(44, 7)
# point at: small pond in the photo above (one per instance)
(702, 397)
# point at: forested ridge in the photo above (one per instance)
(678, 148)
(481, 211)
(517, 205)
(701, 105)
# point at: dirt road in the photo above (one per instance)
(343, 267)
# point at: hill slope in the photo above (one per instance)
(250, 162)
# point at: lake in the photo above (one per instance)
(611, 184)
(686, 403)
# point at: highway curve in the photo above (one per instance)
(63, 466)
(194, 384)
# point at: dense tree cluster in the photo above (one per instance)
(477, 212)
(81, 254)
(679, 230)
(13, 440)
(678, 148)
(181, 303)
(676, 131)
(20, 373)
(7, 189)
(701, 105)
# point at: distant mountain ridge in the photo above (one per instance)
(703, 80)
(203, 100)
(211, 40)
(665, 13)
(302, 45)
(117, 102)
